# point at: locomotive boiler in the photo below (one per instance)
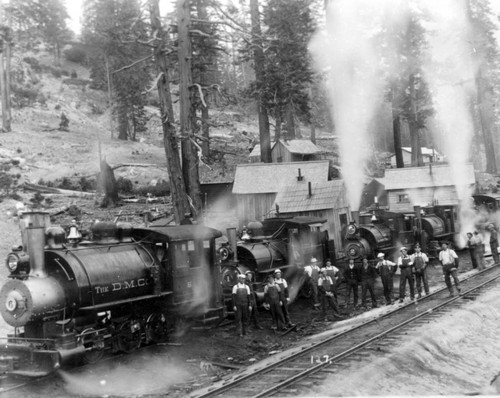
(277, 243)
(69, 301)
(385, 231)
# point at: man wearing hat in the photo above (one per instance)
(325, 287)
(420, 262)
(241, 304)
(449, 261)
(352, 276)
(332, 271)
(386, 269)
(254, 313)
(281, 282)
(368, 276)
(405, 265)
(312, 272)
(273, 300)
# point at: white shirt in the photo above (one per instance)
(447, 256)
(241, 286)
(423, 255)
(400, 260)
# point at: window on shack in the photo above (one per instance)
(403, 198)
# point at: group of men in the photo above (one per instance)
(323, 283)
(476, 246)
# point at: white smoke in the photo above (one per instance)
(356, 74)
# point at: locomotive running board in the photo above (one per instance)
(126, 301)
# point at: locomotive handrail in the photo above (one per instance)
(125, 301)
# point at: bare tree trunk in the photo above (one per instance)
(205, 79)
(8, 50)
(277, 129)
(110, 97)
(3, 87)
(187, 111)
(290, 121)
(177, 187)
(396, 130)
(486, 126)
(265, 135)
(416, 145)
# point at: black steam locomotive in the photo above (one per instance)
(385, 231)
(277, 243)
(70, 301)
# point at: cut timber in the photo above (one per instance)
(56, 191)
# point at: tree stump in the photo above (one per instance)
(107, 183)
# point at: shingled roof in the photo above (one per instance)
(423, 177)
(255, 178)
(303, 147)
(325, 195)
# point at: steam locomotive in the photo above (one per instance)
(276, 243)
(71, 301)
(385, 231)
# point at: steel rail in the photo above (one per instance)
(301, 351)
(365, 343)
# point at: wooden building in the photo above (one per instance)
(284, 151)
(325, 199)
(429, 155)
(425, 186)
(257, 184)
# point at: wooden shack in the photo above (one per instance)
(325, 199)
(284, 151)
(425, 186)
(257, 184)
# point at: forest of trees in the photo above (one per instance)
(210, 53)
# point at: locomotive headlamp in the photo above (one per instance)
(12, 262)
(225, 253)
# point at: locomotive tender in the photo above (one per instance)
(71, 301)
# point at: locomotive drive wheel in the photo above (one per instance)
(129, 336)
(156, 328)
(94, 346)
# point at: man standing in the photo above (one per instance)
(241, 304)
(352, 278)
(273, 299)
(312, 271)
(254, 313)
(386, 269)
(405, 265)
(420, 262)
(471, 244)
(449, 261)
(494, 243)
(325, 286)
(368, 275)
(479, 250)
(281, 282)
(332, 271)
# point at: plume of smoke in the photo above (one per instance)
(348, 51)
(450, 71)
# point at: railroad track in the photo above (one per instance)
(299, 368)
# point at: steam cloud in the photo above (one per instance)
(358, 67)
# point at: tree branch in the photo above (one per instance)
(132, 64)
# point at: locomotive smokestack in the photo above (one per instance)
(33, 225)
(231, 237)
(355, 216)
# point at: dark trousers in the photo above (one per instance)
(388, 284)
(449, 273)
(331, 302)
(286, 314)
(277, 315)
(241, 317)
(406, 275)
(421, 278)
(314, 292)
(351, 286)
(368, 285)
(480, 256)
(473, 256)
(494, 252)
(254, 314)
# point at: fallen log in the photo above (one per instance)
(56, 191)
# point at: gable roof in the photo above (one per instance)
(303, 147)
(427, 176)
(255, 151)
(325, 195)
(255, 178)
